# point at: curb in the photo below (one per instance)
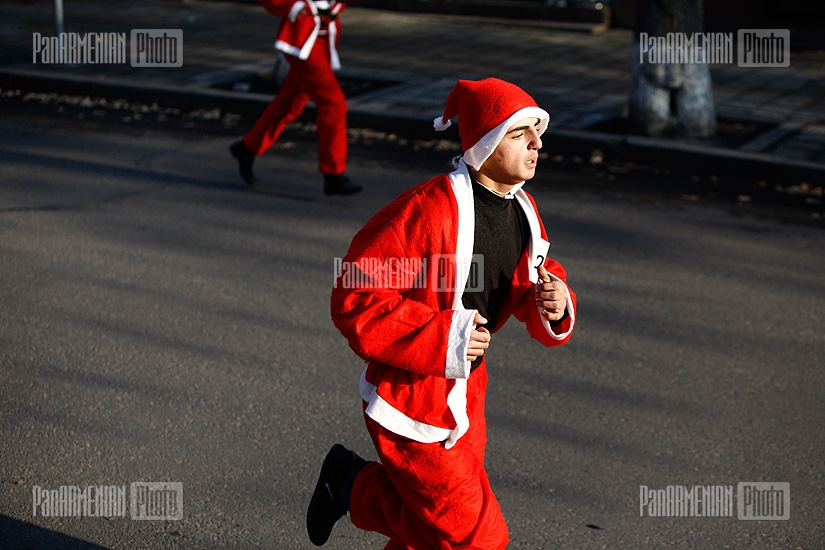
(614, 147)
(686, 156)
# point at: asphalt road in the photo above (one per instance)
(160, 322)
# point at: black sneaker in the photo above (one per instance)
(245, 159)
(330, 500)
(339, 184)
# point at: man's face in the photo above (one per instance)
(516, 156)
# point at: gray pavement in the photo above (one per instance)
(581, 78)
(161, 322)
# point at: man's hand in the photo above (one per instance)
(550, 296)
(479, 339)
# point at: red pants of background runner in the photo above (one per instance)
(313, 79)
(425, 497)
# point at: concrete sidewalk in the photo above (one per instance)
(581, 78)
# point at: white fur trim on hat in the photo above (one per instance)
(481, 151)
(440, 125)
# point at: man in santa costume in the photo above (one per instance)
(424, 285)
(308, 36)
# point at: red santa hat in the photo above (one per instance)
(486, 109)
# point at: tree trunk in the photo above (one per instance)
(670, 99)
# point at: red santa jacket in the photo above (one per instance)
(401, 311)
(297, 35)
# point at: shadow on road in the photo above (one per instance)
(21, 535)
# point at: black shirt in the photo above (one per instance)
(501, 235)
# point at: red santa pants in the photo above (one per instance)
(425, 497)
(313, 79)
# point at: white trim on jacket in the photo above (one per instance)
(303, 51)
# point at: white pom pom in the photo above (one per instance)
(440, 125)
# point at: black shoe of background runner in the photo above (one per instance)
(340, 184)
(245, 159)
(330, 500)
